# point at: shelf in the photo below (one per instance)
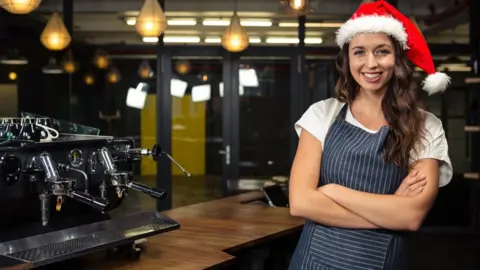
(473, 80)
(472, 128)
(471, 175)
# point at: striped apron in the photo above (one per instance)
(353, 157)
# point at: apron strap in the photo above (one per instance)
(343, 112)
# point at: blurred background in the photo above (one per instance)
(219, 84)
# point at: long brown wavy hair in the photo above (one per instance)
(400, 105)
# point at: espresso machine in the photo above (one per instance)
(58, 183)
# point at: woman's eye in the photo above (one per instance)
(384, 52)
(358, 53)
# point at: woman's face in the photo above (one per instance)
(372, 61)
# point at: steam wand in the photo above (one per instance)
(156, 152)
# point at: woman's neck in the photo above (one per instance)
(368, 103)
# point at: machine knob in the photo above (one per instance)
(156, 152)
(10, 167)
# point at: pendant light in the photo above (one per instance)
(144, 70)
(101, 60)
(69, 64)
(55, 36)
(151, 21)
(52, 67)
(13, 57)
(113, 76)
(298, 4)
(89, 79)
(20, 6)
(12, 76)
(297, 7)
(235, 38)
(183, 67)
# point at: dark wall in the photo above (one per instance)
(67, 97)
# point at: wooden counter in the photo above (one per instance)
(207, 231)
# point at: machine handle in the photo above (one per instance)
(97, 203)
(156, 153)
(152, 191)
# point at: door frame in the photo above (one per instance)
(230, 102)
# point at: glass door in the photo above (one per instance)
(264, 114)
(197, 128)
(263, 121)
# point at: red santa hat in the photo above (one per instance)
(381, 17)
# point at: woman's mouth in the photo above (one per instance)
(371, 76)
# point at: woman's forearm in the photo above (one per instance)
(389, 211)
(318, 207)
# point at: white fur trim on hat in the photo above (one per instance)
(436, 82)
(372, 24)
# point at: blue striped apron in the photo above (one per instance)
(353, 157)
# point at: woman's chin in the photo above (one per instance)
(373, 89)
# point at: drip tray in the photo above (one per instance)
(57, 246)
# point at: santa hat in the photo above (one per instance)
(381, 17)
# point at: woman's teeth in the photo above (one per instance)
(372, 75)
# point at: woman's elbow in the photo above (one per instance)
(415, 221)
(295, 208)
(298, 204)
(414, 225)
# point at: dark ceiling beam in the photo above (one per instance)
(213, 51)
(449, 18)
(343, 8)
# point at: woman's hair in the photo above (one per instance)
(400, 104)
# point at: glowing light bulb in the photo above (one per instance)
(297, 4)
(20, 6)
(151, 20)
(55, 36)
(89, 79)
(12, 76)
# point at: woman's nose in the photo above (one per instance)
(371, 61)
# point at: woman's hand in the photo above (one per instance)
(412, 184)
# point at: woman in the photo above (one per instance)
(362, 146)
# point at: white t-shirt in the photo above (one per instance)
(320, 116)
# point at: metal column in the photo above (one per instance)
(164, 120)
(231, 120)
(68, 21)
(297, 85)
(474, 99)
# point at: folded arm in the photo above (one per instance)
(391, 211)
(308, 202)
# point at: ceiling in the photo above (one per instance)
(105, 21)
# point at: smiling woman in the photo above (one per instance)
(372, 59)
(369, 162)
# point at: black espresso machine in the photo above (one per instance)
(58, 182)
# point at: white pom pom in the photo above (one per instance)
(435, 83)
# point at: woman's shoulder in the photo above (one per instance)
(434, 145)
(432, 122)
(328, 104)
(318, 117)
(324, 111)
(325, 108)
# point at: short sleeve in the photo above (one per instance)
(435, 146)
(318, 118)
(313, 122)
